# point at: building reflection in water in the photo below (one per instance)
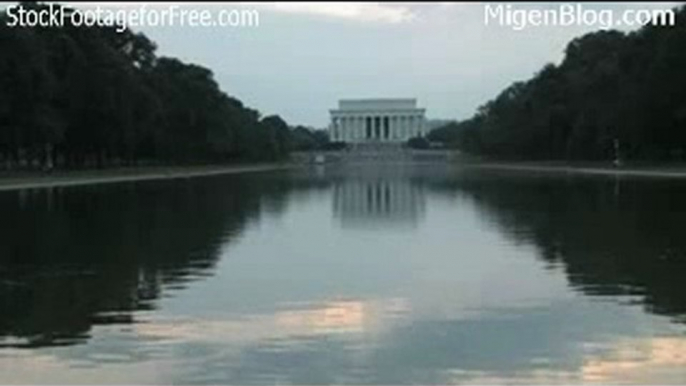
(371, 200)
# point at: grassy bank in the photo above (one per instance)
(30, 180)
(589, 168)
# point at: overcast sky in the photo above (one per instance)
(303, 57)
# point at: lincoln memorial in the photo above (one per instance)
(376, 120)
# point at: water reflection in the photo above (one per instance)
(74, 257)
(379, 198)
(504, 278)
(611, 237)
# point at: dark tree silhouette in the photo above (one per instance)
(91, 96)
(611, 88)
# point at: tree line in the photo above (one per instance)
(613, 95)
(93, 97)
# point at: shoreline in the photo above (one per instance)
(665, 171)
(132, 174)
(110, 176)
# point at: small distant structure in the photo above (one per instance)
(432, 124)
(436, 145)
(617, 162)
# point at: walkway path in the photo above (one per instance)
(127, 174)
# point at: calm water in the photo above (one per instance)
(414, 275)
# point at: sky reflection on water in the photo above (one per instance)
(392, 275)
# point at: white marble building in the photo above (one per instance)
(377, 121)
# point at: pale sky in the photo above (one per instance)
(303, 57)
